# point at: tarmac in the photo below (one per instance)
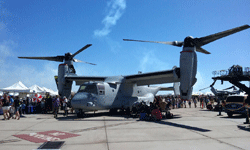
(191, 128)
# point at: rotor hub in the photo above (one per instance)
(189, 42)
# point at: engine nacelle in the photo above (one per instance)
(64, 86)
(188, 69)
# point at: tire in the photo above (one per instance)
(229, 115)
(80, 114)
(113, 111)
(127, 111)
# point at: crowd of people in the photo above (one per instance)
(165, 103)
(205, 101)
(14, 107)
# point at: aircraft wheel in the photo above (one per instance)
(80, 114)
(127, 111)
(113, 111)
(229, 115)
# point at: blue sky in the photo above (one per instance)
(50, 28)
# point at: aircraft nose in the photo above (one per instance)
(78, 100)
(83, 101)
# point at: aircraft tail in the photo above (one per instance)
(175, 88)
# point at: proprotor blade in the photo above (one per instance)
(80, 50)
(210, 38)
(229, 88)
(204, 88)
(199, 49)
(76, 60)
(174, 43)
(56, 58)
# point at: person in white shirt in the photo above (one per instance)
(65, 107)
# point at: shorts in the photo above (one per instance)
(6, 108)
(16, 109)
(12, 110)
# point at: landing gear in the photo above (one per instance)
(80, 114)
(229, 115)
(127, 111)
(169, 115)
(113, 111)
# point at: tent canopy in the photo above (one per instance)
(50, 91)
(36, 89)
(17, 87)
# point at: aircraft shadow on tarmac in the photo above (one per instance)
(95, 115)
(122, 115)
(245, 128)
(182, 126)
(129, 118)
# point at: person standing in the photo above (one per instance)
(195, 102)
(65, 106)
(5, 107)
(56, 103)
(11, 100)
(43, 105)
(201, 102)
(189, 103)
(17, 107)
(11, 108)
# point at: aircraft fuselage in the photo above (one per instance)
(93, 96)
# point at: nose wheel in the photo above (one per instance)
(80, 114)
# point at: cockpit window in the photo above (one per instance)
(82, 88)
(88, 88)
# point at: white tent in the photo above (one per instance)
(18, 87)
(36, 89)
(197, 93)
(50, 91)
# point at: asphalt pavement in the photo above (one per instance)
(191, 128)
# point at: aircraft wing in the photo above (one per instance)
(160, 77)
(81, 79)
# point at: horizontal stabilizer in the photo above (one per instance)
(167, 89)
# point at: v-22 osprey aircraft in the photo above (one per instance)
(115, 92)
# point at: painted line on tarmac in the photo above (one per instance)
(9, 141)
(218, 140)
(107, 141)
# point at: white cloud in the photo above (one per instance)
(6, 50)
(41, 75)
(150, 62)
(115, 10)
(200, 82)
(114, 45)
